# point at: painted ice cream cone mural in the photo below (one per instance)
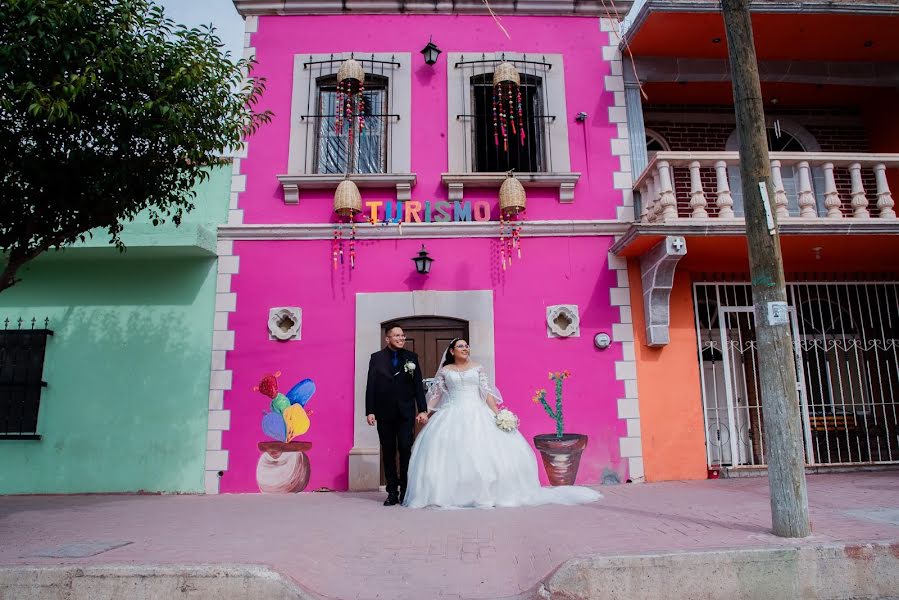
(283, 466)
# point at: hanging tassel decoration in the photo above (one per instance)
(353, 246)
(334, 248)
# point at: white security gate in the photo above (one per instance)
(845, 338)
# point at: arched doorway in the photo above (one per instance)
(428, 337)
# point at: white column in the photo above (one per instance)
(831, 196)
(724, 201)
(806, 197)
(667, 199)
(697, 196)
(780, 195)
(859, 200)
(884, 198)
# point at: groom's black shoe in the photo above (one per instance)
(391, 501)
(402, 495)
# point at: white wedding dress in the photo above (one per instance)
(461, 459)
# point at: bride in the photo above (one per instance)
(462, 459)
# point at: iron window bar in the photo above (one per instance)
(550, 117)
(366, 115)
(22, 357)
(495, 61)
(370, 61)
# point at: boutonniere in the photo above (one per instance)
(409, 367)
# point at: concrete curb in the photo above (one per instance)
(122, 582)
(822, 571)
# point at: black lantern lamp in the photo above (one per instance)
(423, 261)
(431, 52)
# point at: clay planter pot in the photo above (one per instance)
(561, 455)
(283, 468)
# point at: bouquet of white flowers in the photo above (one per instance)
(506, 420)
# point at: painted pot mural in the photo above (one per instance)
(283, 466)
(561, 452)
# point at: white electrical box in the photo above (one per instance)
(778, 313)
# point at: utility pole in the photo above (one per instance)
(776, 360)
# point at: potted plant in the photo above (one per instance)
(561, 451)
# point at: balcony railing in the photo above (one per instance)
(808, 185)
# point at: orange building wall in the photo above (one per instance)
(669, 389)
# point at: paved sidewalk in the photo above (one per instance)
(348, 546)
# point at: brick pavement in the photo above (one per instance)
(348, 546)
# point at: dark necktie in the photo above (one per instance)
(396, 359)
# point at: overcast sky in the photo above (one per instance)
(221, 13)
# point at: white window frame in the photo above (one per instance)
(459, 131)
(302, 142)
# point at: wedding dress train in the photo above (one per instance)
(461, 459)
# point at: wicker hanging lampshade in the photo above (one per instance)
(506, 71)
(347, 199)
(512, 198)
(351, 69)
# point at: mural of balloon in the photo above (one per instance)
(288, 417)
(283, 466)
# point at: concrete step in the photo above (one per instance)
(827, 571)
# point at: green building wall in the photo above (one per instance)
(127, 367)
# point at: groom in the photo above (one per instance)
(395, 399)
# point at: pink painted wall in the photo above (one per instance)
(579, 40)
(552, 271)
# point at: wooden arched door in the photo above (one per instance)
(428, 337)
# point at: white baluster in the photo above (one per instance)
(697, 196)
(859, 200)
(831, 196)
(780, 194)
(806, 197)
(884, 198)
(645, 200)
(667, 199)
(654, 191)
(725, 201)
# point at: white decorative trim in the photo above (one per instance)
(292, 184)
(570, 312)
(301, 149)
(462, 229)
(565, 182)
(630, 445)
(275, 316)
(372, 309)
(220, 378)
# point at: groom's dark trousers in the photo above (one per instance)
(395, 397)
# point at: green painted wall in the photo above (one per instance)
(127, 368)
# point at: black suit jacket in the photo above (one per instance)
(391, 393)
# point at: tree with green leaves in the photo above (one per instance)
(108, 108)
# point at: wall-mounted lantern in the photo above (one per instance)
(422, 261)
(431, 52)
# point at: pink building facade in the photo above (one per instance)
(286, 305)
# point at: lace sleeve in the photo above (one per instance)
(486, 388)
(436, 391)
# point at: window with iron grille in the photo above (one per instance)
(522, 155)
(367, 151)
(316, 147)
(21, 373)
(476, 157)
